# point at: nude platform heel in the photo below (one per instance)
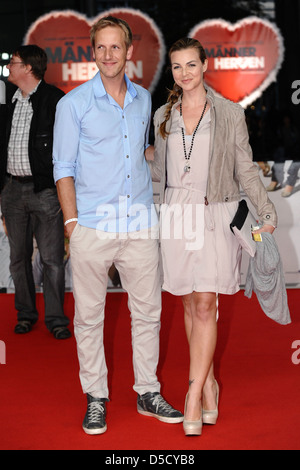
(211, 416)
(191, 428)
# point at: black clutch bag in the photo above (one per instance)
(241, 227)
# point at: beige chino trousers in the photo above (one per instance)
(136, 257)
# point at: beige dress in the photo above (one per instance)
(199, 251)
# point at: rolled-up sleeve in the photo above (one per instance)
(66, 140)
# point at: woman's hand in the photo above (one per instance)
(149, 153)
(265, 228)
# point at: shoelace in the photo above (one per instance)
(95, 409)
(159, 401)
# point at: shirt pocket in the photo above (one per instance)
(140, 128)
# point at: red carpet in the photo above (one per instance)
(42, 406)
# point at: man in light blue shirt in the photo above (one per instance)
(105, 191)
(101, 145)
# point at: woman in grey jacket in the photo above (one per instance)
(201, 157)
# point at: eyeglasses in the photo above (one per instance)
(13, 63)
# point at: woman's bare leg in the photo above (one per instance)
(200, 313)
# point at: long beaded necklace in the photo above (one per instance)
(187, 167)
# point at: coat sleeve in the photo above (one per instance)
(248, 174)
(157, 166)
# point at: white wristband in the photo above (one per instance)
(71, 220)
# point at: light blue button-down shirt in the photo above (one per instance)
(102, 147)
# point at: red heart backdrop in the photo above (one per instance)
(65, 35)
(243, 58)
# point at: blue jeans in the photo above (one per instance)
(292, 173)
(29, 214)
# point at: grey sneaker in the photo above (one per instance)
(153, 404)
(94, 420)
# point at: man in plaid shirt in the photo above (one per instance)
(29, 200)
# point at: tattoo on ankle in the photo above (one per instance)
(191, 381)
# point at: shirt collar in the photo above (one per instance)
(130, 87)
(100, 91)
(18, 94)
(175, 105)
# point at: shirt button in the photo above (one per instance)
(125, 136)
(128, 176)
(128, 195)
(127, 156)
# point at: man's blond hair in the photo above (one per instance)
(114, 22)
